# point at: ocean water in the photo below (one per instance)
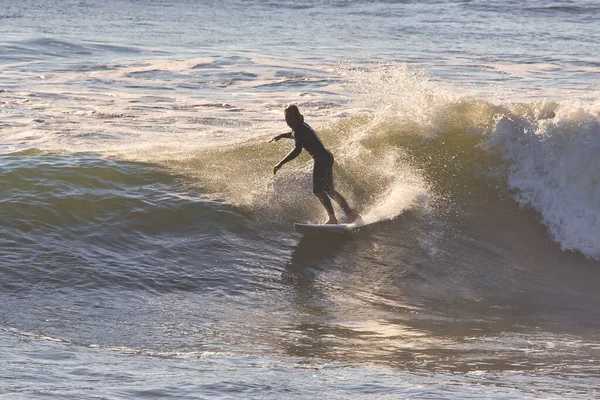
(147, 250)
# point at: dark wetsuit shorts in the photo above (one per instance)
(323, 174)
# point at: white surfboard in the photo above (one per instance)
(315, 228)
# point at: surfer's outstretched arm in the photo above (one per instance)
(293, 154)
(287, 135)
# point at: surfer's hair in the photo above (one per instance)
(294, 112)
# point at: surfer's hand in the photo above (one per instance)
(276, 168)
(276, 138)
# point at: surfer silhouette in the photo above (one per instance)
(306, 138)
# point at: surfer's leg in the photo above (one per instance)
(328, 206)
(319, 185)
(351, 214)
(335, 195)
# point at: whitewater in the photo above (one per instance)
(147, 249)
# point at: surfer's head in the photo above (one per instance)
(293, 116)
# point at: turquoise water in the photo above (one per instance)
(148, 251)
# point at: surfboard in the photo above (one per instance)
(316, 228)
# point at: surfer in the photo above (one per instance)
(306, 138)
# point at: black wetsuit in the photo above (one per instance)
(306, 138)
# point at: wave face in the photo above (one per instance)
(424, 147)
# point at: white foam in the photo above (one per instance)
(554, 167)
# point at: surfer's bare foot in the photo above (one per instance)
(352, 216)
(331, 221)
